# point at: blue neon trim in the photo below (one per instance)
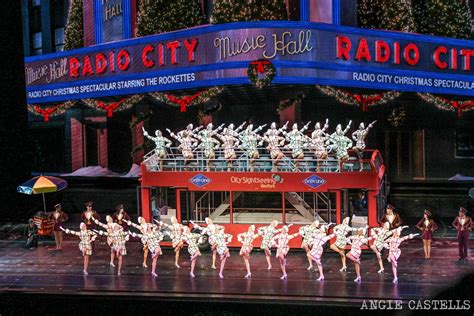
(245, 80)
(260, 24)
(97, 22)
(336, 12)
(126, 19)
(304, 10)
(244, 64)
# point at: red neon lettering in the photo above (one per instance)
(454, 59)
(172, 46)
(100, 63)
(343, 47)
(123, 60)
(191, 48)
(396, 53)
(87, 67)
(382, 51)
(467, 54)
(437, 58)
(147, 62)
(411, 53)
(112, 61)
(363, 50)
(160, 55)
(74, 66)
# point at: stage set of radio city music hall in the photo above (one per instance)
(237, 156)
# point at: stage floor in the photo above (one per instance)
(45, 271)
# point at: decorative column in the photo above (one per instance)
(77, 144)
(46, 26)
(145, 203)
(88, 25)
(372, 208)
(103, 149)
(137, 142)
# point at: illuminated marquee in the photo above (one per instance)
(302, 53)
(395, 53)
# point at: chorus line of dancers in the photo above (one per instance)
(314, 237)
(209, 139)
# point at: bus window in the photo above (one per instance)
(256, 207)
(305, 207)
(215, 205)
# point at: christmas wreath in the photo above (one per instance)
(261, 73)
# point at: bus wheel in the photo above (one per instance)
(204, 244)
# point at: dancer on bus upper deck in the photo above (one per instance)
(359, 137)
(297, 142)
(317, 142)
(339, 143)
(230, 142)
(161, 144)
(274, 140)
(249, 143)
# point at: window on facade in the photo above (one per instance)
(465, 143)
(36, 3)
(59, 39)
(37, 44)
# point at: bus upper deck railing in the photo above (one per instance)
(174, 161)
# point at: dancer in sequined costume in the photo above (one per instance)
(246, 239)
(249, 142)
(274, 141)
(340, 144)
(85, 245)
(317, 142)
(297, 142)
(161, 143)
(359, 137)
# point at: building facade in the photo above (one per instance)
(429, 145)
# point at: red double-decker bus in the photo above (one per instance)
(236, 198)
